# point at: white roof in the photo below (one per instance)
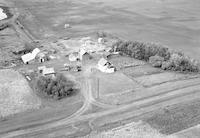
(41, 55)
(41, 67)
(27, 57)
(73, 56)
(82, 51)
(102, 62)
(85, 39)
(2, 14)
(100, 40)
(47, 71)
(35, 52)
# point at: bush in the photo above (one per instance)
(179, 62)
(156, 61)
(157, 55)
(58, 87)
(166, 65)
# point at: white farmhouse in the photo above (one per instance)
(105, 66)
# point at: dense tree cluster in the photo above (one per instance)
(58, 87)
(166, 58)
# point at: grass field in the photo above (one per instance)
(117, 83)
(15, 94)
(140, 71)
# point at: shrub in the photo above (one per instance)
(179, 62)
(58, 87)
(166, 65)
(156, 61)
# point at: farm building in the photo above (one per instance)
(101, 40)
(84, 55)
(74, 56)
(49, 72)
(105, 66)
(30, 56)
(35, 52)
(27, 58)
(41, 57)
(82, 52)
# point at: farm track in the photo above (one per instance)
(147, 103)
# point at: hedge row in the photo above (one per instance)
(157, 55)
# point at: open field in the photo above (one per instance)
(15, 94)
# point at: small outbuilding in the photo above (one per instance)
(41, 57)
(100, 40)
(74, 56)
(67, 67)
(49, 72)
(67, 26)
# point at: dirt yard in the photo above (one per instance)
(15, 94)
